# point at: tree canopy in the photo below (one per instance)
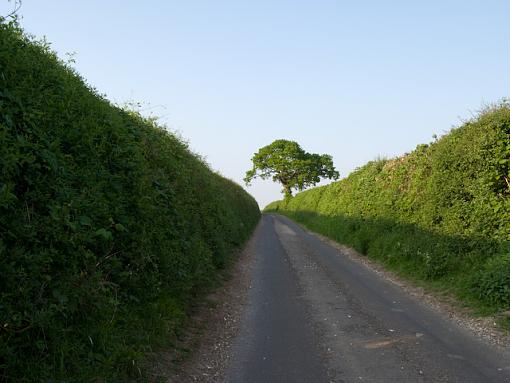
(287, 163)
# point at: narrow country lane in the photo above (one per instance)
(314, 315)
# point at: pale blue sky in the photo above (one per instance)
(355, 79)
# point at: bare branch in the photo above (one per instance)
(17, 6)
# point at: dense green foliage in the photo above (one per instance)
(439, 214)
(287, 163)
(109, 225)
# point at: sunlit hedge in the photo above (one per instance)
(439, 213)
(109, 225)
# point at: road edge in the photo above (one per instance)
(203, 353)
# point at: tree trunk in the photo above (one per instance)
(287, 192)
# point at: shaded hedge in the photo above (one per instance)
(109, 225)
(440, 213)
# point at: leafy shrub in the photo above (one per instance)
(492, 283)
(109, 225)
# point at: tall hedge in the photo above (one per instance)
(109, 225)
(440, 213)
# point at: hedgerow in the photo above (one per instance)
(440, 213)
(109, 225)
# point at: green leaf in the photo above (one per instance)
(85, 221)
(120, 227)
(105, 234)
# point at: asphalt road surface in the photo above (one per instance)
(314, 315)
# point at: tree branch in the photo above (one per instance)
(17, 6)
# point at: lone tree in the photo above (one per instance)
(287, 163)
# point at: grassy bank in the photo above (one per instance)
(109, 225)
(440, 214)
